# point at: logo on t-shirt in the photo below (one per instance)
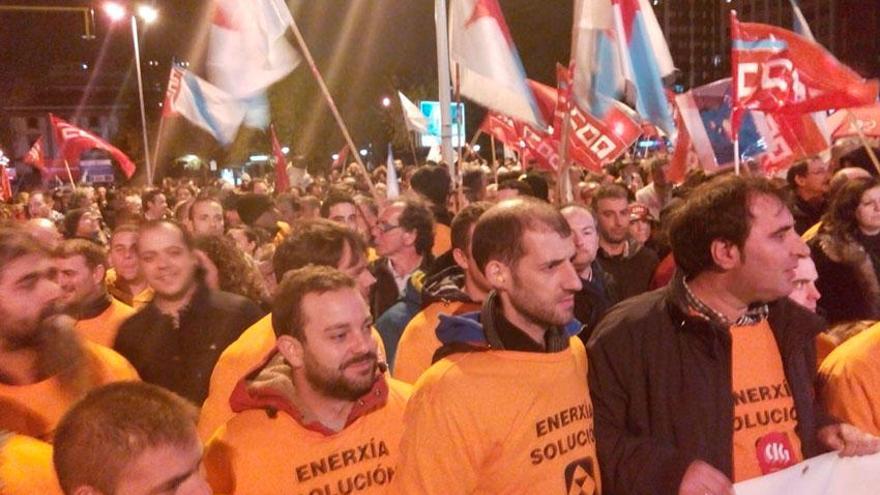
(579, 478)
(774, 452)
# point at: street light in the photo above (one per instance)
(117, 12)
(386, 101)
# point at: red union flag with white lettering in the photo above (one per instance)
(35, 157)
(592, 142)
(73, 142)
(502, 127)
(778, 71)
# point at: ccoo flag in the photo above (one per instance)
(489, 68)
(778, 71)
(73, 142)
(248, 50)
(645, 61)
(35, 156)
(204, 105)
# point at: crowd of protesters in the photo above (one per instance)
(631, 335)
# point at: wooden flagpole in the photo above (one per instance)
(332, 104)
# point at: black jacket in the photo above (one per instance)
(660, 380)
(181, 359)
(594, 299)
(847, 280)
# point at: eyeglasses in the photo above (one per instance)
(384, 228)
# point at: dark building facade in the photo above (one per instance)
(698, 32)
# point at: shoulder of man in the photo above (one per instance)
(633, 317)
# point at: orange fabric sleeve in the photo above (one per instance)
(26, 467)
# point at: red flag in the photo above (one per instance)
(843, 123)
(592, 142)
(5, 185)
(74, 141)
(282, 181)
(339, 162)
(790, 138)
(504, 128)
(778, 71)
(35, 156)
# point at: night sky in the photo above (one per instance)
(364, 48)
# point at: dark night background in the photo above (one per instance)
(366, 49)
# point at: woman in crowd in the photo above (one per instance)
(847, 253)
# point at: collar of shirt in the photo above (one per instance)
(754, 314)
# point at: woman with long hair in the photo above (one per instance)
(847, 253)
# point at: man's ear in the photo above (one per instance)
(292, 350)
(460, 258)
(725, 254)
(498, 274)
(800, 180)
(98, 274)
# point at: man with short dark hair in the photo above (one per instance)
(340, 208)
(458, 289)
(176, 339)
(675, 373)
(130, 438)
(155, 204)
(311, 242)
(320, 396)
(629, 264)
(206, 216)
(125, 280)
(44, 366)
(82, 266)
(486, 417)
(809, 180)
(657, 194)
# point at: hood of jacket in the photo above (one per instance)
(270, 387)
(445, 285)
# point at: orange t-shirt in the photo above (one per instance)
(255, 454)
(442, 239)
(419, 342)
(495, 422)
(849, 377)
(764, 438)
(240, 358)
(26, 467)
(35, 409)
(103, 328)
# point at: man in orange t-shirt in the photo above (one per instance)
(316, 242)
(82, 266)
(506, 408)
(456, 290)
(44, 367)
(710, 381)
(319, 415)
(26, 466)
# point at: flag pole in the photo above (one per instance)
(158, 141)
(494, 156)
(736, 164)
(412, 147)
(460, 125)
(855, 123)
(444, 80)
(332, 104)
(69, 175)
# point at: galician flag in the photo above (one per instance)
(204, 104)
(247, 50)
(412, 116)
(489, 68)
(595, 61)
(392, 187)
(645, 61)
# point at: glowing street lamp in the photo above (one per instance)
(116, 12)
(386, 101)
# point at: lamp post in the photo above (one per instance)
(148, 15)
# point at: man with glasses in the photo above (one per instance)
(809, 179)
(404, 235)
